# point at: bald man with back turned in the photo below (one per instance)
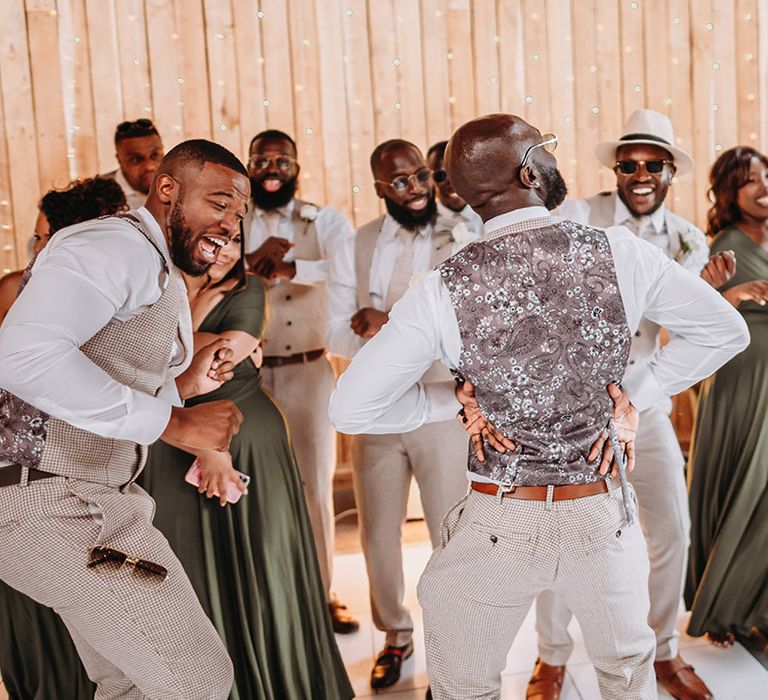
(537, 315)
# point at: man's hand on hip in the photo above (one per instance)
(625, 418)
(479, 428)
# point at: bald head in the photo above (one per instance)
(483, 161)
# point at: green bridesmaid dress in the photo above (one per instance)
(727, 583)
(253, 564)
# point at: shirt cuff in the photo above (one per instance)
(642, 388)
(310, 271)
(147, 419)
(442, 403)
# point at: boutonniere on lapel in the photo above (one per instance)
(458, 237)
(689, 242)
(308, 212)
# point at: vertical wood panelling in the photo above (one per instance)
(343, 75)
(361, 138)
(105, 78)
(19, 117)
(47, 80)
(308, 116)
(163, 43)
(250, 71)
(134, 59)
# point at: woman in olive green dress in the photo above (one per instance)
(253, 564)
(727, 585)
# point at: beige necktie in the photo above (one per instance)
(403, 270)
(272, 219)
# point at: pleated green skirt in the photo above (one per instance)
(727, 583)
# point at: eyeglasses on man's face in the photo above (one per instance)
(423, 176)
(652, 167)
(282, 163)
(548, 143)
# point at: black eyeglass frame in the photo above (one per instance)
(423, 176)
(645, 163)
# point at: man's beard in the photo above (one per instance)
(407, 219)
(272, 200)
(183, 243)
(555, 188)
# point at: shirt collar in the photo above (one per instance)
(125, 185)
(390, 227)
(466, 213)
(515, 217)
(286, 212)
(157, 233)
(622, 214)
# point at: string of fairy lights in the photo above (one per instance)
(366, 115)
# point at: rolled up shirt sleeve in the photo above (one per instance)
(705, 330)
(380, 391)
(58, 311)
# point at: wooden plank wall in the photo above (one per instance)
(342, 75)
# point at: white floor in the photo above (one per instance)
(731, 674)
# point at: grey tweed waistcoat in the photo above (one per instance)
(543, 332)
(136, 353)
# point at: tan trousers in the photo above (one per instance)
(436, 456)
(659, 481)
(498, 554)
(135, 640)
(303, 392)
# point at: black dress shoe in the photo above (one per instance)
(343, 622)
(429, 693)
(386, 670)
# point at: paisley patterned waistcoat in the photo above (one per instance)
(136, 353)
(543, 332)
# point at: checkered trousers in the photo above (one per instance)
(498, 554)
(137, 639)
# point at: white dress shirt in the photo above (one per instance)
(380, 393)
(89, 275)
(333, 230)
(342, 284)
(134, 198)
(467, 215)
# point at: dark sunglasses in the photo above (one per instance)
(122, 127)
(629, 167)
(401, 183)
(439, 176)
(108, 559)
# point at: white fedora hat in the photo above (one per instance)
(647, 127)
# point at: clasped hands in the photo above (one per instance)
(268, 260)
(624, 415)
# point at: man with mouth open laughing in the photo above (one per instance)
(388, 253)
(99, 343)
(645, 158)
(294, 246)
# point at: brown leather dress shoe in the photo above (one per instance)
(342, 619)
(680, 681)
(546, 682)
(386, 670)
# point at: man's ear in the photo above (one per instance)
(166, 187)
(529, 177)
(672, 171)
(379, 190)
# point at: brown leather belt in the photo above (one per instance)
(539, 493)
(10, 476)
(279, 361)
